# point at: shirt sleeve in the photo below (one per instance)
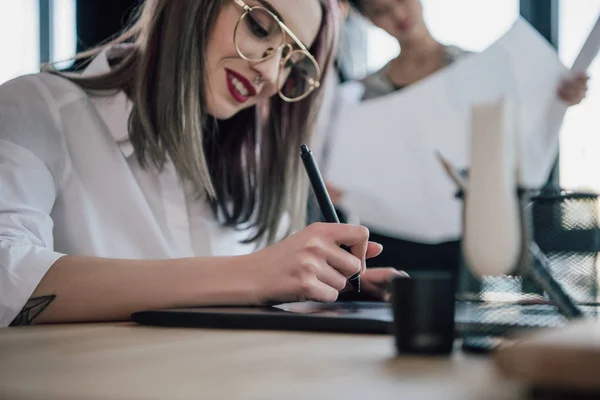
(27, 194)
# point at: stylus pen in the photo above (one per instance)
(325, 204)
(540, 272)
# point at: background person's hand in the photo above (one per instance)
(335, 193)
(572, 90)
(310, 265)
(376, 282)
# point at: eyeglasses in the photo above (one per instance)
(259, 35)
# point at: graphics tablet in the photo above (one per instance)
(357, 317)
(350, 317)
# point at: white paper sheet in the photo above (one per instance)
(383, 155)
(589, 51)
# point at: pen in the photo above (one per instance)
(325, 204)
(540, 272)
(459, 180)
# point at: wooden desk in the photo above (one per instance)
(125, 361)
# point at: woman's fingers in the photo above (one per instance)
(373, 250)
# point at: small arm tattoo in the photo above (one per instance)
(34, 307)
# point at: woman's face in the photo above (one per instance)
(231, 80)
(402, 19)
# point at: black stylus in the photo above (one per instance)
(325, 204)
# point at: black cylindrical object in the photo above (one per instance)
(423, 309)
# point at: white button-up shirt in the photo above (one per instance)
(70, 184)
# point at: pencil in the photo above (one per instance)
(453, 173)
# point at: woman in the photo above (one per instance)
(148, 180)
(421, 55)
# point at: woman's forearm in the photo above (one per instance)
(93, 289)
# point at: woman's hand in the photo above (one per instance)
(376, 281)
(310, 265)
(572, 90)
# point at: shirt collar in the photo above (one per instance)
(113, 108)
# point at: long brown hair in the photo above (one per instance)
(251, 173)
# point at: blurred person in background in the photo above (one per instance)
(421, 55)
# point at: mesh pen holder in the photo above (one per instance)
(566, 226)
(560, 231)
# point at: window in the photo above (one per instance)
(20, 23)
(64, 31)
(19, 38)
(580, 136)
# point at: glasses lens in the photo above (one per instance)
(299, 75)
(258, 34)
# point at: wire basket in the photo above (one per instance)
(566, 227)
